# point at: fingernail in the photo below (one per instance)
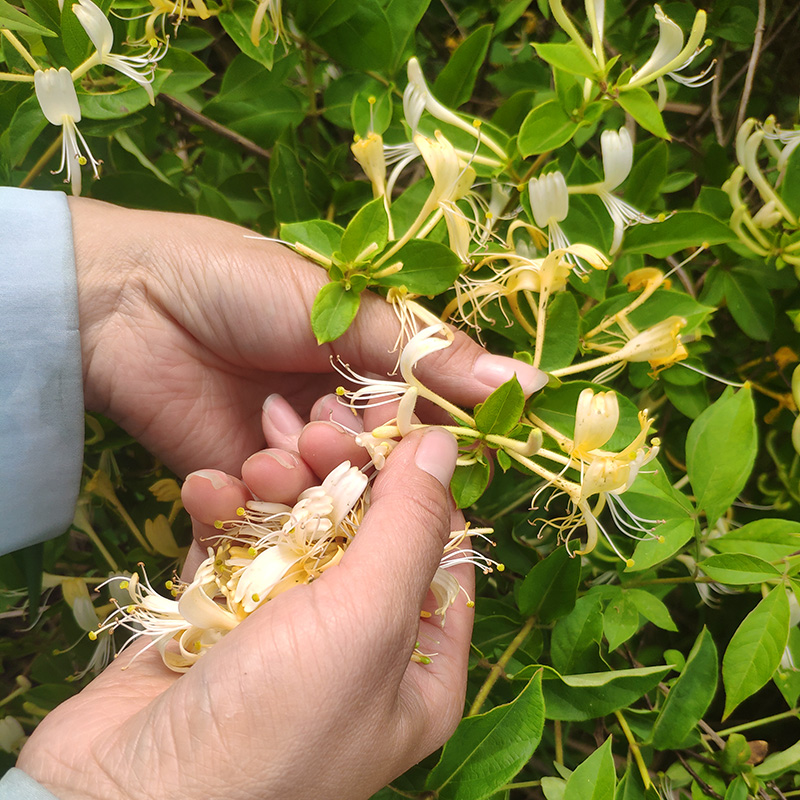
(330, 409)
(494, 371)
(286, 460)
(219, 480)
(436, 454)
(282, 416)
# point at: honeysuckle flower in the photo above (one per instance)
(417, 98)
(173, 8)
(550, 205)
(596, 14)
(273, 8)
(369, 153)
(596, 419)
(670, 53)
(657, 343)
(268, 550)
(56, 94)
(138, 68)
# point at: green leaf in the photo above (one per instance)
(750, 304)
(593, 695)
(779, 763)
(469, 483)
(456, 82)
(405, 16)
(790, 187)
(681, 230)
(620, 619)
(641, 106)
(429, 268)
(501, 410)
(288, 189)
(510, 12)
(319, 235)
(237, 22)
(595, 778)
(550, 589)
(14, 20)
(563, 326)
(567, 57)
(184, 71)
(363, 41)
(689, 697)
(670, 537)
(738, 569)
(651, 608)
(574, 644)
(317, 17)
(488, 750)
(648, 173)
(334, 309)
(24, 129)
(754, 652)
(770, 539)
(720, 451)
(370, 226)
(546, 127)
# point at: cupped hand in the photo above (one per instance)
(187, 325)
(311, 696)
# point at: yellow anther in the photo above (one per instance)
(425, 614)
(197, 646)
(124, 585)
(340, 390)
(252, 552)
(424, 660)
(708, 42)
(371, 100)
(93, 636)
(661, 540)
(661, 217)
(82, 161)
(501, 567)
(476, 123)
(174, 592)
(169, 585)
(218, 524)
(130, 609)
(470, 604)
(705, 246)
(255, 598)
(240, 512)
(489, 215)
(629, 562)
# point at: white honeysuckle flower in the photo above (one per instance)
(452, 177)
(12, 734)
(344, 485)
(550, 205)
(258, 580)
(670, 54)
(658, 343)
(138, 68)
(617, 151)
(417, 98)
(596, 14)
(596, 419)
(275, 11)
(56, 94)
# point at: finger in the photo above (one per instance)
(325, 445)
(277, 475)
(330, 408)
(282, 425)
(388, 568)
(210, 495)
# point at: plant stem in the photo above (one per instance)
(497, 669)
(20, 48)
(520, 785)
(13, 76)
(558, 734)
(746, 726)
(634, 748)
(40, 164)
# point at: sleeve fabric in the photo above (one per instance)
(16, 785)
(41, 385)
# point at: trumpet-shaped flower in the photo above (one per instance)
(550, 205)
(138, 68)
(59, 103)
(370, 155)
(596, 419)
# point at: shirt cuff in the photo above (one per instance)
(41, 381)
(16, 785)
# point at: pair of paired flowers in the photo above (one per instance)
(55, 88)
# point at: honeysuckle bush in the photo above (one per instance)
(609, 192)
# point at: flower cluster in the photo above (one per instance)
(269, 549)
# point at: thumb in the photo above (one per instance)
(390, 564)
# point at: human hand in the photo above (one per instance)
(311, 696)
(186, 326)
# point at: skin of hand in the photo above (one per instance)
(312, 696)
(187, 325)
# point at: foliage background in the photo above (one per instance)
(260, 136)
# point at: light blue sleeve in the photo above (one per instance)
(16, 785)
(41, 389)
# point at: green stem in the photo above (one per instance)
(497, 669)
(20, 48)
(634, 748)
(13, 76)
(520, 785)
(746, 726)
